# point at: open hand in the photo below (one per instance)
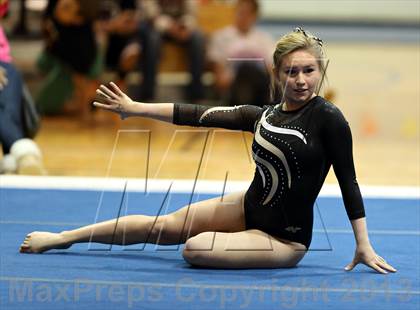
(366, 255)
(113, 99)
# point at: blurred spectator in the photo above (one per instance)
(240, 57)
(20, 154)
(121, 24)
(71, 58)
(174, 21)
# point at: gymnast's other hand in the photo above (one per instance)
(365, 254)
(112, 98)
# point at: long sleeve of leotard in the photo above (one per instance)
(338, 142)
(238, 117)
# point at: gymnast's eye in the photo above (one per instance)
(291, 71)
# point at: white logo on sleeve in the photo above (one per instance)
(293, 229)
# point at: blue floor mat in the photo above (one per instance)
(137, 277)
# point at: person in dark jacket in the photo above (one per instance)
(71, 54)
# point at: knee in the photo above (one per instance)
(293, 258)
(160, 227)
(166, 230)
(198, 249)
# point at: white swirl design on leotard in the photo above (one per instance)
(276, 151)
(261, 174)
(217, 109)
(285, 131)
(274, 177)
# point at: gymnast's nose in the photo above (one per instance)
(300, 81)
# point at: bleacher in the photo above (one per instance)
(211, 16)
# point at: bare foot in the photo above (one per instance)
(38, 242)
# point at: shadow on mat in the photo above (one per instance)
(175, 264)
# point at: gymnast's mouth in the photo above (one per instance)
(300, 90)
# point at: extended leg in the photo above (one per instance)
(208, 215)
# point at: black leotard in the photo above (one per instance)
(293, 152)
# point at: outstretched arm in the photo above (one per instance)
(113, 99)
(338, 141)
(237, 117)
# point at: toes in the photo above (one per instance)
(24, 249)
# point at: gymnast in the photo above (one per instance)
(270, 225)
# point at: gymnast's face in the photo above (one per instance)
(299, 76)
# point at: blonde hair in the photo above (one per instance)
(296, 40)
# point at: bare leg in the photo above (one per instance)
(245, 249)
(209, 215)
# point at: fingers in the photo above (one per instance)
(351, 265)
(384, 265)
(101, 93)
(117, 89)
(387, 267)
(380, 265)
(103, 106)
(372, 260)
(104, 98)
(374, 265)
(108, 92)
